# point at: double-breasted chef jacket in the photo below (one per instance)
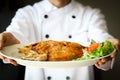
(73, 22)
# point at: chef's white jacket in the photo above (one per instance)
(73, 22)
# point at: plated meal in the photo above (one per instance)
(52, 53)
(65, 51)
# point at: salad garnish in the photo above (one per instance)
(96, 50)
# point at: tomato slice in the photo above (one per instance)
(92, 47)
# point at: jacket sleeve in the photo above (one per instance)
(98, 31)
(97, 27)
(21, 24)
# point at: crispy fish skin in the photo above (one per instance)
(51, 50)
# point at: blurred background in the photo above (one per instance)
(111, 10)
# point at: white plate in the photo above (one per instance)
(12, 52)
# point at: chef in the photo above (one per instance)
(57, 20)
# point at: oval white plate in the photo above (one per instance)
(12, 52)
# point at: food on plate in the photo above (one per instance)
(51, 50)
(96, 50)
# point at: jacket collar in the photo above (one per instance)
(49, 7)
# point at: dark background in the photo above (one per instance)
(111, 10)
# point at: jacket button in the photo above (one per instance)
(67, 78)
(45, 16)
(73, 16)
(47, 36)
(49, 78)
(70, 36)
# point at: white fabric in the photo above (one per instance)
(29, 25)
(83, 73)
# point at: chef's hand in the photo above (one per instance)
(102, 61)
(7, 39)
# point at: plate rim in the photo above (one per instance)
(49, 62)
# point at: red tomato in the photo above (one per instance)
(92, 47)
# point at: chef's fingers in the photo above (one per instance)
(103, 61)
(12, 61)
(97, 65)
(2, 57)
(8, 60)
(1, 40)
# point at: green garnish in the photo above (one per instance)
(104, 49)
